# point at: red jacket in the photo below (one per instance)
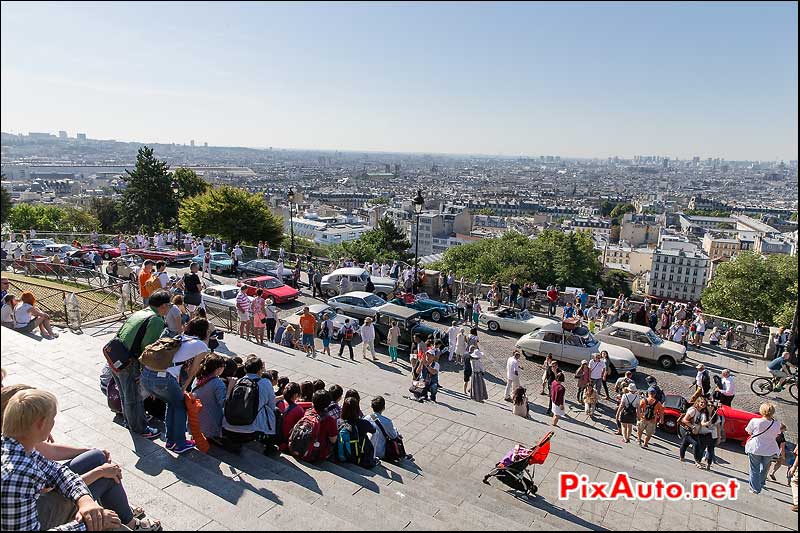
(552, 295)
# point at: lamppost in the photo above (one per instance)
(290, 195)
(418, 202)
(176, 187)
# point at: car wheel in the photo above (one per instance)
(269, 301)
(218, 270)
(671, 424)
(666, 362)
(493, 326)
(436, 316)
(526, 355)
(107, 256)
(332, 292)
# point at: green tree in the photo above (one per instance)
(485, 211)
(148, 200)
(189, 183)
(233, 214)
(380, 200)
(74, 219)
(606, 207)
(107, 213)
(753, 287)
(24, 216)
(5, 204)
(620, 210)
(616, 282)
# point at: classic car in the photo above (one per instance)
(273, 290)
(36, 246)
(220, 262)
(358, 304)
(264, 267)
(57, 249)
(358, 282)
(736, 420)
(428, 307)
(573, 346)
(221, 296)
(513, 320)
(106, 251)
(124, 267)
(409, 323)
(319, 311)
(166, 254)
(644, 343)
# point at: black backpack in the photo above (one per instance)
(630, 407)
(279, 416)
(242, 407)
(706, 381)
(650, 410)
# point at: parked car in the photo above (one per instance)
(166, 254)
(408, 320)
(573, 346)
(36, 246)
(736, 420)
(358, 282)
(220, 262)
(265, 267)
(62, 250)
(222, 296)
(274, 290)
(124, 267)
(319, 311)
(513, 320)
(428, 307)
(358, 304)
(644, 343)
(106, 251)
(79, 258)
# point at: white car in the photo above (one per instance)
(644, 343)
(573, 346)
(358, 281)
(358, 304)
(513, 320)
(222, 296)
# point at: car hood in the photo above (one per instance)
(672, 346)
(378, 280)
(425, 330)
(618, 353)
(284, 291)
(433, 303)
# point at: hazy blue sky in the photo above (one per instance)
(571, 79)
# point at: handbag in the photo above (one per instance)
(417, 387)
(117, 354)
(395, 450)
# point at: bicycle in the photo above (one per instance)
(763, 386)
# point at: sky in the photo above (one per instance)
(593, 79)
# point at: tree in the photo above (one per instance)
(615, 282)
(51, 218)
(485, 211)
(5, 204)
(380, 200)
(189, 183)
(233, 214)
(148, 199)
(606, 207)
(753, 287)
(384, 243)
(107, 212)
(620, 210)
(74, 219)
(614, 235)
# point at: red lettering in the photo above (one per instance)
(718, 491)
(733, 487)
(599, 491)
(621, 486)
(659, 489)
(700, 491)
(674, 491)
(567, 482)
(644, 491)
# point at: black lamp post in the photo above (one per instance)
(290, 195)
(176, 187)
(418, 202)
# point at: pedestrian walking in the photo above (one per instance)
(477, 384)
(346, 338)
(557, 393)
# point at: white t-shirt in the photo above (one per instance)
(190, 348)
(763, 434)
(163, 279)
(596, 369)
(367, 333)
(728, 388)
(512, 368)
(22, 314)
(452, 335)
(7, 315)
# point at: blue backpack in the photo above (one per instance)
(347, 449)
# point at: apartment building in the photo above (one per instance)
(677, 274)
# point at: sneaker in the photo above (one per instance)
(151, 433)
(170, 445)
(185, 447)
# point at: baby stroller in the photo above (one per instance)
(513, 469)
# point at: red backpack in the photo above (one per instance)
(304, 438)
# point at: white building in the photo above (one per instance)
(677, 274)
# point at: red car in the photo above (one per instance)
(277, 290)
(168, 255)
(736, 420)
(106, 251)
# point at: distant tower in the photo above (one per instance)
(205, 145)
(62, 134)
(397, 170)
(388, 168)
(80, 136)
(191, 143)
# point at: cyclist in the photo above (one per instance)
(780, 370)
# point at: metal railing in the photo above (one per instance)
(57, 272)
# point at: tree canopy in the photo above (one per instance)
(552, 258)
(384, 243)
(148, 200)
(753, 287)
(189, 183)
(51, 218)
(5, 204)
(233, 214)
(107, 212)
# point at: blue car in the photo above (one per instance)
(220, 262)
(427, 307)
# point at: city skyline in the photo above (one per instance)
(570, 79)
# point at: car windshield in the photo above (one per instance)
(654, 339)
(321, 314)
(230, 294)
(271, 283)
(219, 256)
(422, 296)
(374, 301)
(266, 264)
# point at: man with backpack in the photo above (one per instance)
(346, 338)
(250, 410)
(140, 330)
(386, 441)
(313, 436)
(650, 413)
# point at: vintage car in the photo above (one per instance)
(221, 296)
(736, 420)
(265, 267)
(358, 304)
(124, 267)
(428, 307)
(166, 254)
(106, 251)
(408, 320)
(573, 346)
(36, 246)
(273, 290)
(62, 250)
(220, 262)
(644, 343)
(358, 282)
(319, 311)
(513, 320)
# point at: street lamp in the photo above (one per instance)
(290, 195)
(419, 203)
(176, 187)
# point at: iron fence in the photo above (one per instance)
(57, 272)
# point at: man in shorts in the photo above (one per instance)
(649, 413)
(308, 324)
(326, 332)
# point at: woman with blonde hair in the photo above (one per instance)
(27, 317)
(762, 445)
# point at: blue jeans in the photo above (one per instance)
(759, 466)
(164, 386)
(130, 397)
(108, 492)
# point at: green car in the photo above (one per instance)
(220, 262)
(427, 307)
